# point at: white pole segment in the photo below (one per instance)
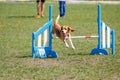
(45, 38)
(108, 37)
(39, 40)
(103, 35)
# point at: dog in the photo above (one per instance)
(63, 32)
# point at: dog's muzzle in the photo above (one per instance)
(64, 33)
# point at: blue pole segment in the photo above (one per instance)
(50, 27)
(33, 42)
(42, 29)
(113, 42)
(50, 12)
(99, 26)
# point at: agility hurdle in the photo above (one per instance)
(43, 37)
(106, 37)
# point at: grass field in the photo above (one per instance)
(17, 22)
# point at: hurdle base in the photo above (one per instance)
(47, 54)
(53, 54)
(99, 51)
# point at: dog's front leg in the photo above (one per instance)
(66, 44)
(70, 41)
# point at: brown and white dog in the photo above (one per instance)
(63, 32)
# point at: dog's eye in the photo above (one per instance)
(65, 28)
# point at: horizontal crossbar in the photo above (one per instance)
(83, 37)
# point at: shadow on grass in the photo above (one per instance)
(29, 56)
(25, 56)
(21, 16)
(82, 54)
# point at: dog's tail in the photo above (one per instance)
(56, 21)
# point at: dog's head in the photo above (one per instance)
(66, 29)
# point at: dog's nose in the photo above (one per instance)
(62, 31)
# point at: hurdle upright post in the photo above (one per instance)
(50, 27)
(99, 26)
(113, 42)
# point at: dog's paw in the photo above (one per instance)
(67, 46)
(73, 48)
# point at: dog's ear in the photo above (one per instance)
(61, 27)
(71, 29)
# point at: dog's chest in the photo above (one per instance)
(57, 32)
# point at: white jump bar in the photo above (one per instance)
(83, 37)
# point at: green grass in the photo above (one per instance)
(17, 22)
